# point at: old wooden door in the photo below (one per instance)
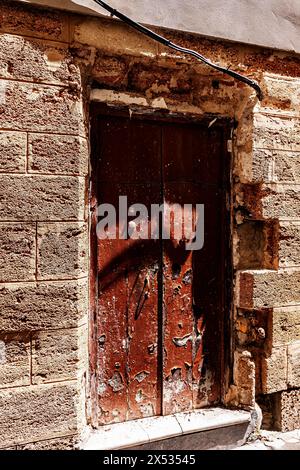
(159, 310)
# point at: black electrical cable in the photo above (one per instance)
(151, 34)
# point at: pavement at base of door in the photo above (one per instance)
(272, 440)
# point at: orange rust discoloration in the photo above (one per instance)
(252, 196)
(272, 231)
(246, 290)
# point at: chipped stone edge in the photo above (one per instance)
(157, 428)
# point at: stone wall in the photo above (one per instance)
(43, 232)
(50, 64)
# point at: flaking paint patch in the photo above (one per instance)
(173, 385)
(147, 410)
(139, 396)
(179, 342)
(116, 382)
(141, 376)
(102, 387)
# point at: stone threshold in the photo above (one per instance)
(158, 428)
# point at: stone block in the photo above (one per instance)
(263, 165)
(162, 81)
(276, 132)
(51, 305)
(39, 61)
(25, 20)
(286, 166)
(287, 410)
(259, 289)
(42, 197)
(274, 371)
(286, 325)
(62, 250)
(270, 166)
(40, 108)
(110, 71)
(62, 241)
(13, 148)
(17, 252)
(289, 243)
(58, 154)
(294, 365)
(57, 355)
(14, 360)
(281, 201)
(112, 37)
(281, 92)
(38, 413)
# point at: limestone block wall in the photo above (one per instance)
(51, 63)
(43, 232)
(269, 297)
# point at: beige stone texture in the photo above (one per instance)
(14, 360)
(35, 60)
(57, 355)
(286, 325)
(274, 371)
(38, 413)
(281, 92)
(24, 20)
(28, 306)
(42, 197)
(58, 154)
(61, 443)
(276, 132)
(259, 289)
(270, 166)
(294, 365)
(287, 166)
(112, 37)
(13, 147)
(289, 244)
(262, 165)
(17, 252)
(42, 108)
(62, 250)
(282, 201)
(287, 407)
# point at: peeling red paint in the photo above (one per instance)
(160, 305)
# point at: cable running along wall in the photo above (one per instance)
(162, 40)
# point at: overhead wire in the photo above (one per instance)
(166, 42)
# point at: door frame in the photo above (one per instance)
(98, 109)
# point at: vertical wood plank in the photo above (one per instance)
(129, 159)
